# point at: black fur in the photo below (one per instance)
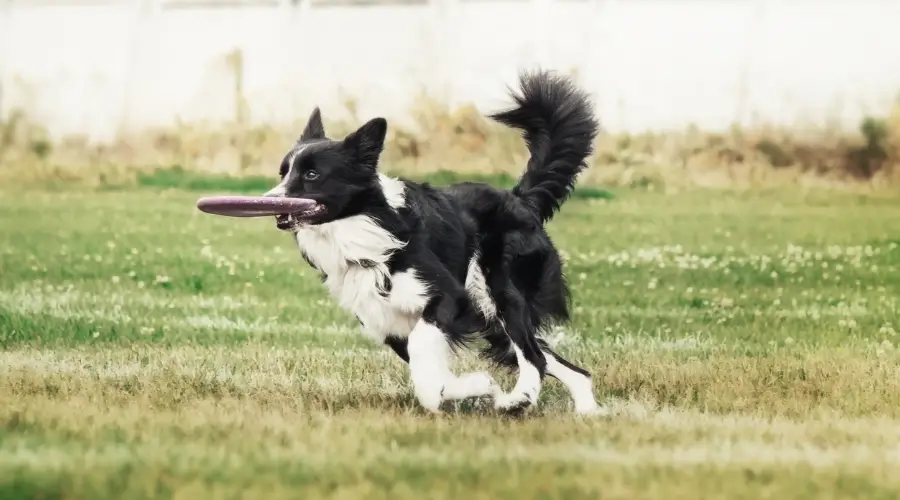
(445, 227)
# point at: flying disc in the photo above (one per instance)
(253, 206)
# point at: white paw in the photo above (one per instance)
(516, 401)
(481, 384)
(430, 397)
(478, 384)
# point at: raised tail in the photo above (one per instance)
(559, 129)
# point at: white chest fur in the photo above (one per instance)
(353, 254)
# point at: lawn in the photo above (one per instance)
(745, 343)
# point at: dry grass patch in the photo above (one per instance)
(90, 424)
(463, 140)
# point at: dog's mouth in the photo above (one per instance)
(296, 220)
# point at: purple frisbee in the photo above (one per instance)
(253, 206)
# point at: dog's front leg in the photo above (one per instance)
(429, 367)
(428, 364)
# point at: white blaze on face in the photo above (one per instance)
(280, 190)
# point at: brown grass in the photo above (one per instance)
(144, 422)
(464, 140)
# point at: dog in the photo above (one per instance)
(427, 270)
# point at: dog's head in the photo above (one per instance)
(341, 176)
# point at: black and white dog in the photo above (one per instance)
(427, 269)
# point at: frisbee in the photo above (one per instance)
(253, 206)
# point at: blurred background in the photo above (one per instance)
(724, 92)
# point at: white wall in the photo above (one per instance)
(651, 63)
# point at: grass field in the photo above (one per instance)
(746, 344)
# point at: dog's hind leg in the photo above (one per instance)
(516, 322)
(511, 337)
(577, 380)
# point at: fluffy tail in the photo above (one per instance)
(559, 128)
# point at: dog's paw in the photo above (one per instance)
(516, 403)
(478, 384)
(430, 397)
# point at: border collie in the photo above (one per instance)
(426, 269)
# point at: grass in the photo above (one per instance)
(178, 177)
(746, 344)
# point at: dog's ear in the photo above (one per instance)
(368, 141)
(314, 128)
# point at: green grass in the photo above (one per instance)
(745, 342)
(188, 180)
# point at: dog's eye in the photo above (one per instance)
(310, 175)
